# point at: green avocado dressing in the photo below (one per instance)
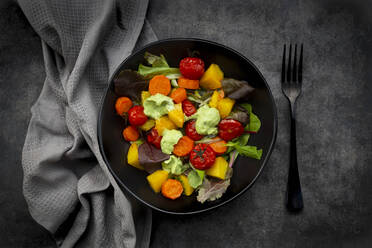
(174, 165)
(206, 120)
(170, 138)
(157, 105)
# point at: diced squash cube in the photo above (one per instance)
(218, 169)
(156, 179)
(176, 115)
(132, 156)
(150, 123)
(212, 77)
(225, 106)
(164, 123)
(216, 97)
(187, 189)
(144, 96)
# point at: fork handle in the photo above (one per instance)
(294, 194)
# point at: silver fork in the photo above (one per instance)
(291, 87)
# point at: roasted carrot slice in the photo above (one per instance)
(130, 133)
(159, 84)
(171, 189)
(183, 147)
(188, 83)
(122, 105)
(178, 95)
(219, 147)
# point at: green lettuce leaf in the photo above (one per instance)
(243, 139)
(174, 83)
(138, 142)
(195, 178)
(254, 124)
(240, 145)
(240, 141)
(201, 173)
(174, 76)
(159, 66)
(247, 107)
(149, 72)
(156, 61)
(249, 151)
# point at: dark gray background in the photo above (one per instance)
(334, 123)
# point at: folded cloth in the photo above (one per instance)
(67, 185)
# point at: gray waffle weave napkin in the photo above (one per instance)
(66, 184)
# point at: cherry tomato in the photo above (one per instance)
(154, 138)
(188, 108)
(136, 116)
(190, 131)
(202, 156)
(229, 129)
(192, 68)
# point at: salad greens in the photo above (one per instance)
(130, 83)
(249, 151)
(159, 66)
(240, 145)
(212, 189)
(254, 124)
(195, 178)
(151, 157)
(169, 132)
(236, 89)
(174, 165)
(156, 61)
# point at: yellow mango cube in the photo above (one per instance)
(156, 179)
(218, 169)
(150, 123)
(164, 123)
(214, 99)
(212, 77)
(176, 115)
(144, 96)
(225, 106)
(132, 156)
(187, 189)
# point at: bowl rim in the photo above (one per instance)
(99, 125)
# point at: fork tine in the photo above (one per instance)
(283, 65)
(289, 64)
(300, 65)
(294, 76)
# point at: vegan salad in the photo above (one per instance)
(186, 125)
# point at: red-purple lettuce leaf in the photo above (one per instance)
(151, 157)
(213, 189)
(130, 84)
(236, 89)
(240, 116)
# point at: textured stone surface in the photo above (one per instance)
(334, 119)
(21, 79)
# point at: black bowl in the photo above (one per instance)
(246, 170)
